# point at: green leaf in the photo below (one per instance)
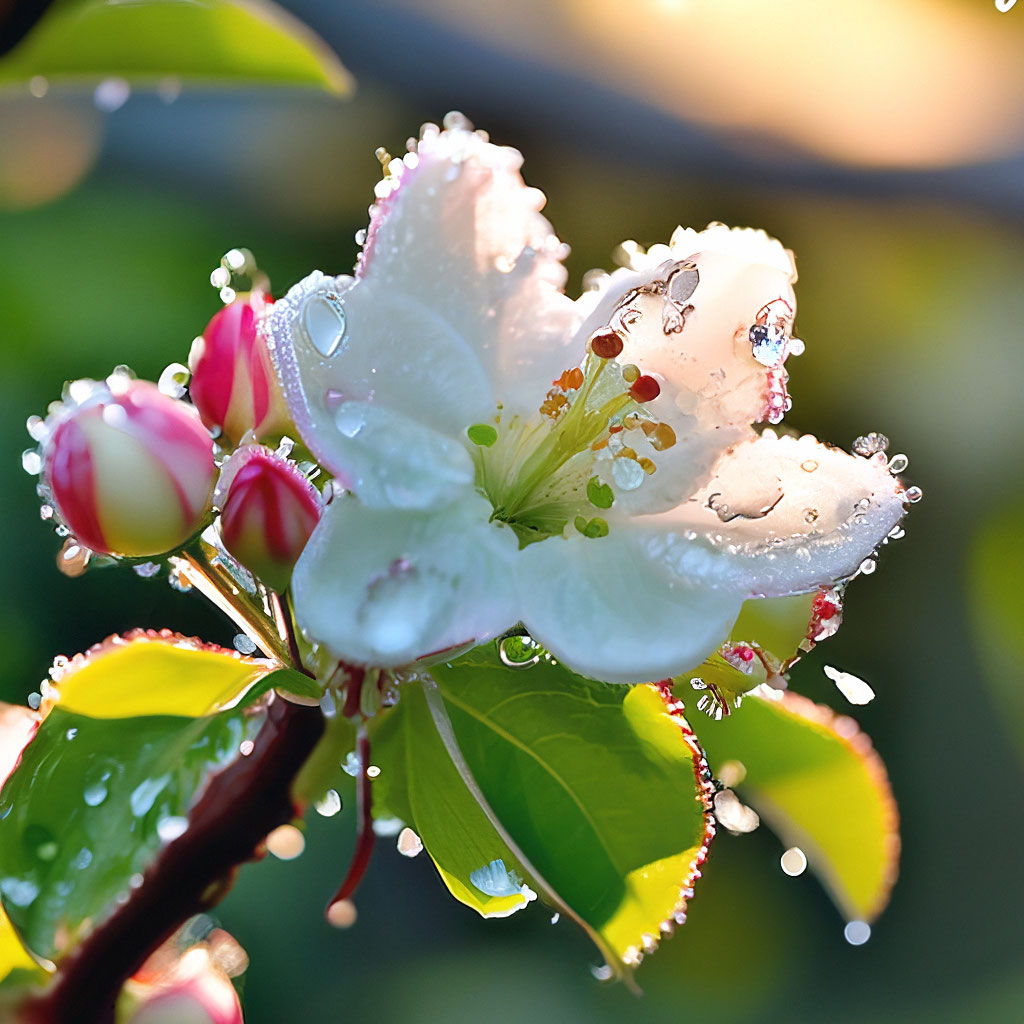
(816, 781)
(596, 789)
(209, 41)
(89, 807)
(419, 784)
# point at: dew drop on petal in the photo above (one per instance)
(898, 464)
(329, 804)
(794, 861)
(913, 495)
(734, 815)
(246, 747)
(323, 319)
(628, 474)
(868, 566)
(870, 444)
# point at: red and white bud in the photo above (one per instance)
(233, 383)
(130, 470)
(191, 988)
(268, 511)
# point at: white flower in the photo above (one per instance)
(623, 521)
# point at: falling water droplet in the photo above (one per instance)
(409, 844)
(286, 842)
(855, 690)
(913, 495)
(329, 804)
(857, 933)
(342, 914)
(794, 861)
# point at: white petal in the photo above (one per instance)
(457, 306)
(781, 515)
(610, 611)
(387, 587)
(685, 313)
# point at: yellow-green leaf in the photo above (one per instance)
(817, 782)
(146, 673)
(206, 41)
(777, 624)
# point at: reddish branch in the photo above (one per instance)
(227, 826)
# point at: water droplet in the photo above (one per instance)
(111, 94)
(373, 772)
(768, 343)
(898, 464)
(31, 462)
(409, 844)
(628, 474)
(145, 793)
(147, 570)
(854, 689)
(870, 444)
(170, 828)
(96, 791)
(602, 972)
(323, 319)
(809, 465)
(34, 700)
(71, 733)
(38, 86)
(350, 418)
(221, 277)
(243, 644)
(174, 379)
(246, 747)
(329, 804)
(857, 933)
(19, 891)
(793, 861)
(734, 815)
(82, 859)
(868, 566)
(682, 283)
(388, 827)
(40, 843)
(351, 765)
(361, 236)
(519, 652)
(796, 347)
(235, 260)
(342, 914)
(556, 917)
(286, 842)
(179, 581)
(494, 879)
(913, 495)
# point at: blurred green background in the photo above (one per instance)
(884, 143)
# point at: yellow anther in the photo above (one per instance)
(630, 373)
(627, 453)
(648, 466)
(662, 436)
(632, 421)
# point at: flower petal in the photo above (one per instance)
(612, 612)
(387, 587)
(685, 313)
(456, 306)
(781, 515)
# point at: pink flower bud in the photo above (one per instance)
(233, 384)
(130, 470)
(268, 511)
(188, 989)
